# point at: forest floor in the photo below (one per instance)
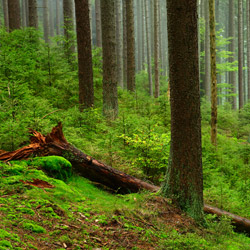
(78, 214)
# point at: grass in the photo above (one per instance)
(79, 214)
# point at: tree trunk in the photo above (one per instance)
(184, 180)
(143, 33)
(98, 23)
(202, 50)
(90, 19)
(124, 43)
(51, 18)
(33, 18)
(118, 5)
(213, 73)
(207, 53)
(85, 71)
(232, 74)
(6, 14)
(58, 24)
(240, 54)
(110, 98)
(46, 21)
(56, 144)
(156, 48)
(68, 29)
(130, 46)
(248, 49)
(14, 14)
(150, 83)
(139, 34)
(24, 14)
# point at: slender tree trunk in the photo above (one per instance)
(143, 33)
(110, 99)
(207, 53)
(58, 23)
(33, 18)
(213, 73)
(24, 14)
(156, 48)
(130, 46)
(14, 14)
(232, 74)
(46, 21)
(90, 19)
(139, 35)
(184, 181)
(98, 23)
(68, 29)
(240, 54)
(202, 49)
(6, 14)
(150, 83)
(248, 49)
(51, 18)
(118, 5)
(85, 72)
(124, 43)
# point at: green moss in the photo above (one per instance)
(33, 227)
(5, 244)
(56, 166)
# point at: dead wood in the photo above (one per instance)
(56, 144)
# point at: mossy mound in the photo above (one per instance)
(55, 166)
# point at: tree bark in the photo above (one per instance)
(98, 23)
(232, 74)
(124, 43)
(184, 179)
(58, 24)
(118, 7)
(46, 21)
(213, 73)
(6, 14)
(248, 49)
(139, 34)
(240, 54)
(14, 14)
(130, 45)
(51, 18)
(156, 48)
(110, 96)
(85, 71)
(56, 144)
(150, 83)
(33, 18)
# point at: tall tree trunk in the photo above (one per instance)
(207, 53)
(33, 18)
(232, 74)
(51, 18)
(46, 21)
(248, 49)
(240, 54)
(6, 14)
(156, 48)
(24, 14)
(130, 46)
(90, 19)
(202, 49)
(58, 23)
(98, 23)
(85, 72)
(68, 29)
(213, 73)
(110, 98)
(143, 33)
(118, 5)
(139, 35)
(150, 83)
(184, 181)
(124, 43)
(14, 14)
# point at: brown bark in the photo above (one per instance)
(58, 17)
(98, 23)
(85, 71)
(14, 14)
(33, 18)
(56, 144)
(124, 43)
(46, 21)
(130, 46)
(110, 96)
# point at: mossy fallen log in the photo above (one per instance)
(55, 144)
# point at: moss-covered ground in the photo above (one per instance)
(77, 214)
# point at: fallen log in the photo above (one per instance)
(56, 144)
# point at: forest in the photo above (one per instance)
(125, 124)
